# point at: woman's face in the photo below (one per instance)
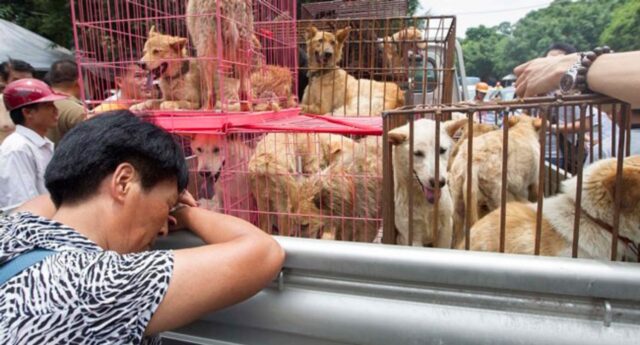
(149, 212)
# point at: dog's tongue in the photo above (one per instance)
(149, 80)
(430, 195)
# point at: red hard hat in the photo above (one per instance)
(28, 91)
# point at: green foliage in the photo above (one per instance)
(49, 18)
(623, 33)
(494, 52)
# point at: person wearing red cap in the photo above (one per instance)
(25, 154)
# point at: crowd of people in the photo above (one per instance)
(91, 195)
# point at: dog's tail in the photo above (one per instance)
(471, 201)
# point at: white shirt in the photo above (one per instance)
(24, 156)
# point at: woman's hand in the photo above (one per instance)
(542, 75)
(179, 214)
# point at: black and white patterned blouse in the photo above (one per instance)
(81, 294)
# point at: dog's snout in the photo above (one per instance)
(327, 55)
(441, 182)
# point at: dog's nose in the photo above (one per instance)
(441, 182)
(205, 173)
(328, 55)
(142, 65)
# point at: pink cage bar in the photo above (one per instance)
(304, 176)
(209, 57)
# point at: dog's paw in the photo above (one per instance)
(170, 105)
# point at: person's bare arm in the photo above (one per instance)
(238, 261)
(616, 75)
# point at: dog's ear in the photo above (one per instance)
(342, 34)
(311, 32)
(513, 120)
(452, 126)
(398, 135)
(178, 43)
(152, 31)
(629, 187)
(537, 123)
(322, 199)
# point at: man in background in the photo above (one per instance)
(25, 154)
(63, 78)
(133, 88)
(11, 70)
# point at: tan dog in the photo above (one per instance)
(332, 90)
(522, 174)
(559, 214)
(463, 133)
(279, 170)
(350, 192)
(225, 158)
(237, 38)
(398, 48)
(270, 84)
(421, 181)
(165, 57)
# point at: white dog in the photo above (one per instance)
(421, 181)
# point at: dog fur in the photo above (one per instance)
(350, 190)
(559, 215)
(270, 84)
(397, 48)
(165, 57)
(331, 90)
(279, 171)
(522, 171)
(226, 156)
(237, 39)
(421, 182)
(462, 134)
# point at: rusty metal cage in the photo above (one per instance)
(362, 67)
(340, 9)
(494, 186)
(187, 56)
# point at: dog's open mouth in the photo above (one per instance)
(159, 71)
(430, 194)
(322, 59)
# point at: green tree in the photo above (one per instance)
(483, 50)
(48, 18)
(623, 33)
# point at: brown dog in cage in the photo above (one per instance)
(462, 133)
(165, 57)
(332, 91)
(559, 214)
(350, 191)
(421, 182)
(237, 41)
(522, 171)
(224, 157)
(280, 171)
(399, 47)
(272, 86)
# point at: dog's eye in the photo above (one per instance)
(199, 149)
(442, 150)
(419, 154)
(216, 150)
(155, 51)
(321, 40)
